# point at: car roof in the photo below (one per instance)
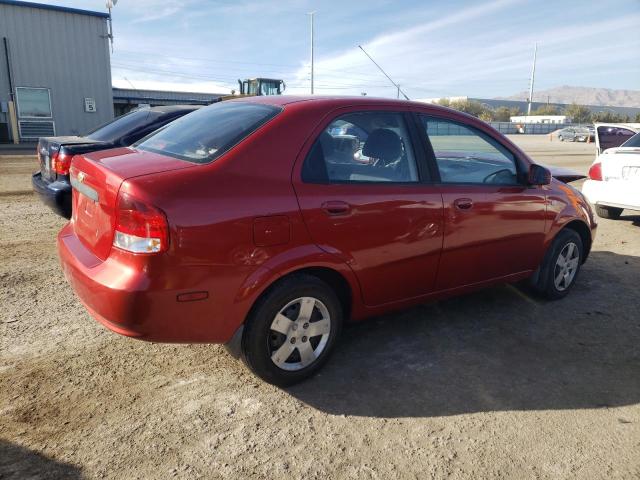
(333, 101)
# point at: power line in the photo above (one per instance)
(385, 73)
(230, 78)
(352, 70)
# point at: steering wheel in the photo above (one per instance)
(494, 175)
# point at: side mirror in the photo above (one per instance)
(538, 175)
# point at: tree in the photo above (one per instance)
(638, 117)
(469, 106)
(609, 117)
(487, 115)
(546, 110)
(504, 114)
(578, 113)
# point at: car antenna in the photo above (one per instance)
(385, 73)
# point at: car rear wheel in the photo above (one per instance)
(560, 266)
(608, 212)
(291, 330)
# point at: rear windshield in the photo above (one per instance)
(633, 141)
(209, 132)
(121, 126)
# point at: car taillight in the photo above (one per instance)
(595, 172)
(60, 162)
(140, 227)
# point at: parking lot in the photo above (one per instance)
(497, 384)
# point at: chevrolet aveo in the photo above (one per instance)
(265, 223)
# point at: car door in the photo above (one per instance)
(494, 223)
(362, 190)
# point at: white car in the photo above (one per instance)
(614, 176)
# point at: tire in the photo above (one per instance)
(612, 213)
(545, 281)
(281, 307)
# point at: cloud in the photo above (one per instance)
(140, 83)
(460, 47)
(391, 50)
(148, 11)
(475, 50)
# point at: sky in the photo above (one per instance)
(431, 48)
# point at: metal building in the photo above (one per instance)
(55, 71)
(126, 99)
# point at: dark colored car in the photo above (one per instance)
(55, 153)
(252, 223)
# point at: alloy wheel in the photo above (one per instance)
(299, 333)
(566, 266)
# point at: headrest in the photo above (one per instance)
(384, 144)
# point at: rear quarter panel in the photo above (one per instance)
(211, 211)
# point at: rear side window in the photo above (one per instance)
(611, 137)
(123, 125)
(466, 155)
(362, 147)
(205, 134)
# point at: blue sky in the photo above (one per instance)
(432, 48)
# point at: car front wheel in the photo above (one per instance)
(291, 330)
(560, 266)
(608, 212)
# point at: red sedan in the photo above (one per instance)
(265, 223)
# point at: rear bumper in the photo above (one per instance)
(56, 195)
(132, 297)
(620, 194)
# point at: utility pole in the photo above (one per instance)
(533, 75)
(311, 15)
(110, 5)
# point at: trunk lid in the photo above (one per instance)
(96, 179)
(48, 146)
(621, 165)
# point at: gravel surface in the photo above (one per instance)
(497, 384)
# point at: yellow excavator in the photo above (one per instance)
(261, 86)
(252, 87)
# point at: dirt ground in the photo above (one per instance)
(497, 384)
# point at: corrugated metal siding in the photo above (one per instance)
(126, 94)
(65, 52)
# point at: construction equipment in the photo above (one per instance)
(261, 86)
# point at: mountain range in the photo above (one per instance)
(583, 96)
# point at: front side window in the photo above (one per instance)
(466, 155)
(362, 147)
(207, 133)
(33, 102)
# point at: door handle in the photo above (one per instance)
(463, 203)
(336, 207)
